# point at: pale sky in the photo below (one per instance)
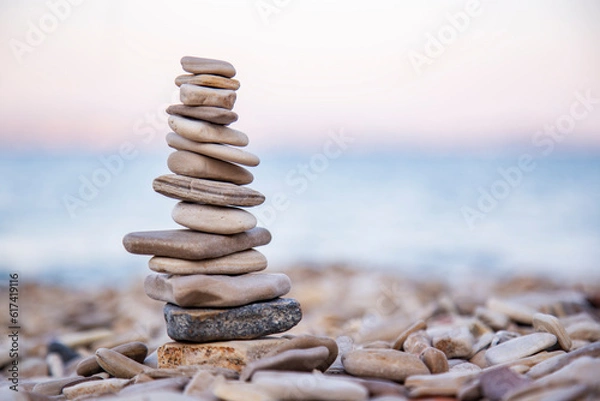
(309, 67)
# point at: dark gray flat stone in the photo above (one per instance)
(242, 323)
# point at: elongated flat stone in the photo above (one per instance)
(234, 355)
(202, 131)
(213, 81)
(118, 365)
(193, 245)
(194, 95)
(235, 263)
(551, 324)
(204, 291)
(296, 360)
(137, 351)
(215, 115)
(519, 347)
(559, 361)
(214, 150)
(383, 364)
(308, 386)
(200, 65)
(206, 191)
(213, 219)
(241, 323)
(308, 341)
(198, 166)
(416, 326)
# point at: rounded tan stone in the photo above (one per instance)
(435, 360)
(197, 166)
(416, 326)
(416, 342)
(208, 291)
(308, 341)
(200, 65)
(94, 388)
(215, 115)
(213, 219)
(206, 191)
(134, 350)
(202, 131)
(117, 364)
(194, 95)
(213, 81)
(383, 363)
(551, 324)
(214, 150)
(236, 263)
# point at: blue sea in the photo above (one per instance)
(63, 216)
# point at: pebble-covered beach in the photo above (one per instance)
(364, 336)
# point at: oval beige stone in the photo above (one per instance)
(118, 365)
(236, 263)
(216, 291)
(551, 324)
(214, 150)
(213, 219)
(134, 350)
(202, 131)
(194, 95)
(194, 165)
(214, 81)
(200, 65)
(296, 360)
(435, 360)
(384, 364)
(95, 388)
(308, 341)
(519, 347)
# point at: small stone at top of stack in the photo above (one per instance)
(208, 273)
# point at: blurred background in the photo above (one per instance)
(446, 138)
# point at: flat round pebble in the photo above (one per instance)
(194, 165)
(383, 363)
(214, 150)
(215, 115)
(201, 65)
(519, 347)
(213, 219)
(205, 132)
(195, 95)
(235, 263)
(213, 81)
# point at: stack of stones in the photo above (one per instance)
(207, 273)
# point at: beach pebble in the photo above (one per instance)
(417, 342)
(200, 65)
(298, 360)
(213, 219)
(550, 324)
(195, 95)
(442, 384)
(383, 363)
(117, 364)
(435, 360)
(307, 386)
(210, 291)
(455, 342)
(215, 115)
(519, 347)
(308, 341)
(561, 360)
(188, 244)
(205, 132)
(67, 354)
(585, 330)
(235, 263)
(416, 326)
(234, 355)
(55, 386)
(195, 165)
(136, 351)
(243, 322)
(206, 191)
(95, 388)
(173, 384)
(213, 81)
(214, 150)
(240, 391)
(497, 382)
